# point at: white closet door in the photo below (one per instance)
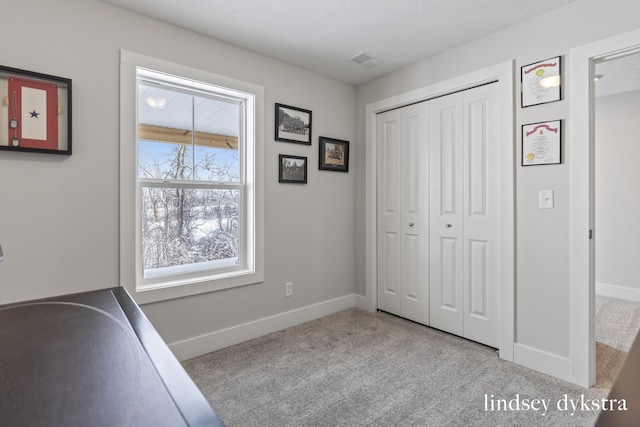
(389, 215)
(403, 229)
(465, 185)
(446, 222)
(481, 195)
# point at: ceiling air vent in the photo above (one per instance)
(366, 60)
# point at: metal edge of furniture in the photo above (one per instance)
(186, 395)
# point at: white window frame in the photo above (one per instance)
(132, 65)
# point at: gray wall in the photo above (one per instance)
(617, 195)
(59, 216)
(542, 236)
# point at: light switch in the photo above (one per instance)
(546, 199)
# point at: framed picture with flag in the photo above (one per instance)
(35, 112)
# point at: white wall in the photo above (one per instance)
(617, 196)
(542, 236)
(59, 217)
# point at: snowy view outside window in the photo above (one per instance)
(189, 178)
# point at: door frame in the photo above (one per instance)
(582, 200)
(503, 74)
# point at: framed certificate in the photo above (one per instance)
(541, 143)
(541, 82)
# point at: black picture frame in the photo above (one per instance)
(542, 143)
(333, 154)
(35, 112)
(292, 169)
(532, 90)
(293, 124)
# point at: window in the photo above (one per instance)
(195, 208)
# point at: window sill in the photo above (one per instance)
(180, 288)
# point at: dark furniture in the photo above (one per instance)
(627, 387)
(92, 359)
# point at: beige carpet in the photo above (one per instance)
(356, 368)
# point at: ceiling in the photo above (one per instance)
(618, 75)
(322, 35)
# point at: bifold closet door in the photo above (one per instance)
(403, 225)
(464, 214)
(447, 263)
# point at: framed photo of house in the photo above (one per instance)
(541, 143)
(292, 169)
(35, 112)
(333, 154)
(541, 82)
(293, 124)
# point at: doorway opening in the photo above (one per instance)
(617, 205)
(581, 146)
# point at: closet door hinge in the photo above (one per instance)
(590, 234)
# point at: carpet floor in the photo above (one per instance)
(356, 368)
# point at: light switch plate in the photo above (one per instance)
(546, 199)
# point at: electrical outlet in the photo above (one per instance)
(288, 289)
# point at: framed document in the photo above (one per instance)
(541, 82)
(541, 143)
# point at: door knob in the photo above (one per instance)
(410, 224)
(448, 226)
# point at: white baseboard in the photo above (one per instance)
(547, 363)
(615, 291)
(216, 340)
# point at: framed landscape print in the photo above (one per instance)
(333, 154)
(292, 124)
(35, 112)
(292, 169)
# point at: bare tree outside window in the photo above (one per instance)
(188, 162)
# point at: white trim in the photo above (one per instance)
(617, 291)
(581, 185)
(254, 271)
(541, 361)
(216, 340)
(504, 74)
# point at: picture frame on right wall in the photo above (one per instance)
(293, 124)
(541, 143)
(333, 154)
(292, 169)
(541, 82)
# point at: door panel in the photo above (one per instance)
(403, 211)
(445, 141)
(481, 157)
(414, 190)
(388, 131)
(478, 279)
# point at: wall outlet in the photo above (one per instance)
(288, 289)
